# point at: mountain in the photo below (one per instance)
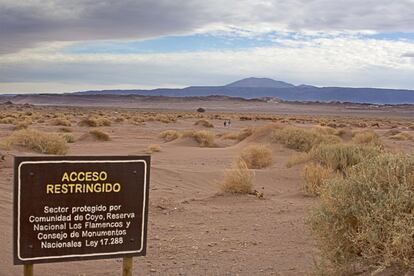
(251, 88)
(260, 82)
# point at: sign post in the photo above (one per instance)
(79, 208)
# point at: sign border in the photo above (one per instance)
(23, 160)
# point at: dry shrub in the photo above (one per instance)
(68, 138)
(7, 120)
(238, 179)
(164, 118)
(326, 130)
(21, 125)
(204, 138)
(339, 157)
(204, 123)
(104, 122)
(239, 136)
(296, 159)
(65, 129)
(89, 122)
(315, 176)
(61, 122)
(302, 139)
(154, 148)
(367, 137)
(257, 156)
(411, 127)
(169, 135)
(392, 132)
(403, 136)
(99, 135)
(37, 141)
(367, 218)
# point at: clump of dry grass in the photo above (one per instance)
(61, 122)
(403, 136)
(154, 148)
(88, 122)
(37, 141)
(65, 129)
(21, 125)
(68, 138)
(99, 135)
(302, 139)
(204, 123)
(204, 138)
(169, 135)
(238, 179)
(257, 156)
(296, 159)
(367, 137)
(315, 176)
(339, 157)
(239, 136)
(367, 218)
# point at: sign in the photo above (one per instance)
(72, 208)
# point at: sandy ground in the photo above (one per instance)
(193, 229)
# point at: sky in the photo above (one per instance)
(64, 45)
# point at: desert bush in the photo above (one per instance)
(65, 129)
(367, 137)
(367, 218)
(238, 179)
(204, 123)
(203, 137)
(302, 139)
(169, 135)
(88, 122)
(298, 158)
(21, 125)
(339, 157)
(99, 135)
(403, 136)
(239, 136)
(68, 138)
(37, 141)
(7, 120)
(315, 176)
(61, 122)
(257, 156)
(154, 148)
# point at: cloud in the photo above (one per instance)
(26, 23)
(408, 55)
(341, 61)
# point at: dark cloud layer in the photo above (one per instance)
(25, 24)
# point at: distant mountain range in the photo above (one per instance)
(250, 88)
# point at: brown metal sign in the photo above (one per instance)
(78, 207)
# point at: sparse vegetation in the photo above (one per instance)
(339, 157)
(61, 122)
(367, 137)
(204, 138)
(239, 136)
(367, 217)
(238, 179)
(169, 135)
(302, 139)
(204, 123)
(315, 176)
(154, 148)
(402, 136)
(257, 156)
(37, 141)
(99, 135)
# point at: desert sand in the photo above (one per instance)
(194, 228)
